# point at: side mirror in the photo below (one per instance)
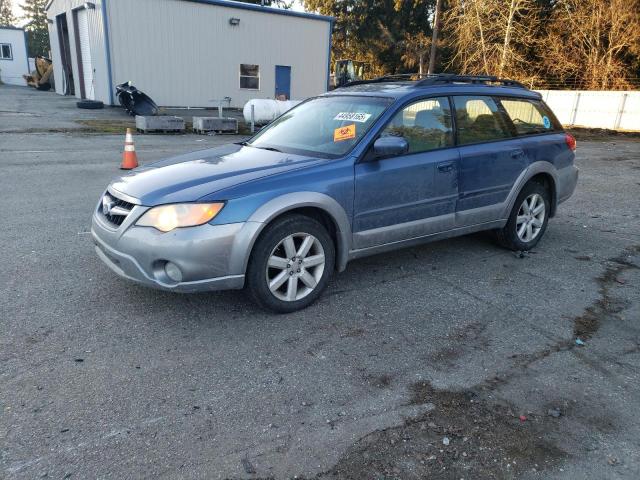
(390, 147)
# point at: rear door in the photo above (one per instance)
(540, 133)
(411, 195)
(491, 159)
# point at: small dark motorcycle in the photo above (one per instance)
(134, 101)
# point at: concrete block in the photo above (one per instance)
(215, 124)
(161, 123)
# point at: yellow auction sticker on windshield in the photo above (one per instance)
(344, 133)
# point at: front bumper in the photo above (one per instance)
(210, 257)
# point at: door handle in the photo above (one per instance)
(517, 153)
(445, 167)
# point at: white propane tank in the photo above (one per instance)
(266, 109)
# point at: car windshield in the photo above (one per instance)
(327, 127)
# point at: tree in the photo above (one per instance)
(437, 14)
(496, 37)
(36, 27)
(7, 19)
(385, 34)
(592, 44)
(415, 49)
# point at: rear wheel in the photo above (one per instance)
(290, 264)
(528, 219)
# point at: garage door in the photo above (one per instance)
(85, 54)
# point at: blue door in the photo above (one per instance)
(491, 159)
(412, 195)
(283, 82)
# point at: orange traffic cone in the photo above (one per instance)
(129, 157)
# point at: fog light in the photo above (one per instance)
(173, 272)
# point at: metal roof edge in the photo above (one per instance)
(249, 6)
(259, 8)
(10, 27)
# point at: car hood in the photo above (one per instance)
(186, 178)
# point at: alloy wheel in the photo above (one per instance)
(295, 267)
(530, 218)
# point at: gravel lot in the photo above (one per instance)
(452, 360)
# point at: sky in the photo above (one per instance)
(17, 11)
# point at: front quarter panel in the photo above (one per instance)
(328, 187)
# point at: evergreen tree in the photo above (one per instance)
(390, 36)
(7, 19)
(36, 27)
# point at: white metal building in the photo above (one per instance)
(187, 53)
(13, 56)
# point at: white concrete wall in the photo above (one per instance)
(11, 71)
(185, 53)
(96, 40)
(614, 110)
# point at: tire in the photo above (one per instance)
(264, 268)
(516, 236)
(90, 104)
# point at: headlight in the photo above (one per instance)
(167, 217)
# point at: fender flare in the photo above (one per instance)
(292, 201)
(534, 169)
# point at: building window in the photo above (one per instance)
(250, 76)
(5, 51)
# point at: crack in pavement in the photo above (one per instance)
(481, 430)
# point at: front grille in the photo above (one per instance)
(114, 210)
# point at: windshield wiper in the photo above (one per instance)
(247, 144)
(271, 149)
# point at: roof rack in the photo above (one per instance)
(386, 78)
(476, 79)
(426, 80)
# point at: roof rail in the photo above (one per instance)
(386, 78)
(453, 78)
(426, 80)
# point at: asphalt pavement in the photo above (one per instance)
(100, 378)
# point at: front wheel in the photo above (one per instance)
(291, 264)
(528, 219)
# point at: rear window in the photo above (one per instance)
(478, 119)
(529, 117)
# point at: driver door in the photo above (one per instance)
(411, 195)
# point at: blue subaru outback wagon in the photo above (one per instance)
(371, 167)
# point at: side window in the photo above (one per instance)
(426, 125)
(478, 119)
(528, 116)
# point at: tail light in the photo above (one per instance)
(571, 142)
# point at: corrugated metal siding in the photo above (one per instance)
(97, 42)
(186, 54)
(55, 56)
(85, 54)
(11, 71)
(616, 110)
